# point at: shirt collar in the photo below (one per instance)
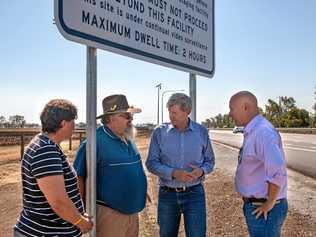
(109, 132)
(190, 127)
(252, 124)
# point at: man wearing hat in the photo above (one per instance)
(121, 181)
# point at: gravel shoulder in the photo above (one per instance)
(224, 216)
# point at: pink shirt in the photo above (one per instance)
(261, 160)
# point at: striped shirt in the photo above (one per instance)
(43, 158)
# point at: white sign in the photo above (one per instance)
(173, 33)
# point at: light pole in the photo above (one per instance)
(162, 94)
(159, 88)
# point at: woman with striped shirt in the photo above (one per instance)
(52, 205)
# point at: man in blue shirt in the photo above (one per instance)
(180, 154)
(121, 181)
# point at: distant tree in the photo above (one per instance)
(17, 121)
(273, 112)
(314, 108)
(228, 121)
(219, 121)
(81, 125)
(283, 113)
(207, 123)
(314, 117)
(2, 121)
(286, 103)
(296, 118)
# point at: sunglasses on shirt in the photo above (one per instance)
(240, 155)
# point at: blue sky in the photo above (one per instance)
(267, 47)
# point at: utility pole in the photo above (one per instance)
(280, 111)
(162, 104)
(158, 88)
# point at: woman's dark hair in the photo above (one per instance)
(54, 112)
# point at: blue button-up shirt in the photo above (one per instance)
(171, 149)
(261, 160)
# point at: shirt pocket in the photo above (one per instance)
(169, 148)
(249, 155)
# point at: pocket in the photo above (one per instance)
(163, 190)
(283, 208)
(251, 219)
(199, 189)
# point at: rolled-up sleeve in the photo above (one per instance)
(275, 165)
(209, 158)
(153, 162)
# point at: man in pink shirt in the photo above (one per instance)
(261, 177)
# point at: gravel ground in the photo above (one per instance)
(224, 216)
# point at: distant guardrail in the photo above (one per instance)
(22, 136)
(282, 130)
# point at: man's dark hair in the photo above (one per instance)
(54, 112)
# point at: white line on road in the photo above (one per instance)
(299, 149)
(227, 146)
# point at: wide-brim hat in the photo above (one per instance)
(117, 104)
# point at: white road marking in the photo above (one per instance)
(299, 149)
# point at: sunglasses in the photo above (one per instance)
(240, 155)
(127, 116)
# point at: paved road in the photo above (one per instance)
(300, 149)
(301, 189)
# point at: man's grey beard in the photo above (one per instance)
(130, 132)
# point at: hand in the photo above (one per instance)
(196, 171)
(86, 224)
(182, 176)
(87, 215)
(264, 209)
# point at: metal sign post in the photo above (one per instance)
(193, 96)
(159, 88)
(91, 134)
(162, 103)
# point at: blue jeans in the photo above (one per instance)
(266, 228)
(190, 203)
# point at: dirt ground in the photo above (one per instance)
(224, 216)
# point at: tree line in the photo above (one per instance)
(282, 114)
(18, 121)
(15, 121)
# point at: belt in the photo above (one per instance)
(257, 201)
(179, 189)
